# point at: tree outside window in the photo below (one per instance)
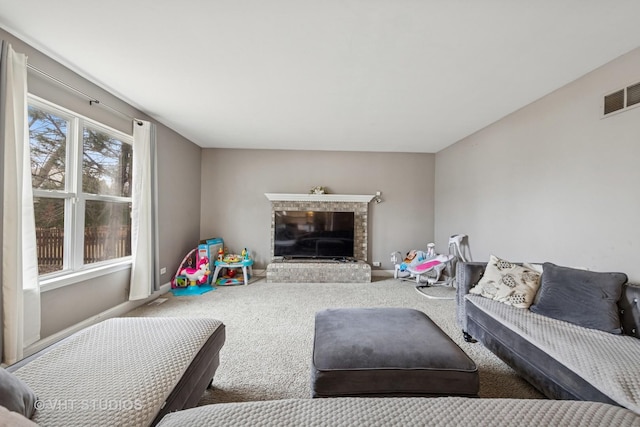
(81, 177)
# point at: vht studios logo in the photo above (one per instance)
(88, 405)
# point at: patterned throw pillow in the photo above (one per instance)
(509, 283)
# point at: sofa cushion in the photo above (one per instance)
(606, 361)
(15, 394)
(14, 419)
(135, 367)
(508, 282)
(404, 411)
(630, 310)
(585, 298)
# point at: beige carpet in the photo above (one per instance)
(270, 330)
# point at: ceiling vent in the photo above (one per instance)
(622, 99)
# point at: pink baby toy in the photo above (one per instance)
(199, 275)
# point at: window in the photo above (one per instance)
(81, 176)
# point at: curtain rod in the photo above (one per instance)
(91, 99)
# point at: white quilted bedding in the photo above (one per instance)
(404, 412)
(608, 362)
(116, 373)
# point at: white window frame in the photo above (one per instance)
(74, 270)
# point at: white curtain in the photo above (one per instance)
(144, 242)
(20, 287)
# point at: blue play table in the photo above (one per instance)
(244, 264)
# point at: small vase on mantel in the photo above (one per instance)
(317, 190)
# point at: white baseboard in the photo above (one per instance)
(116, 311)
(382, 273)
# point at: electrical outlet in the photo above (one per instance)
(377, 263)
(163, 270)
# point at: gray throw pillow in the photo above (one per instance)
(15, 394)
(585, 298)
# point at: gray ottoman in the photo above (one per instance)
(387, 352)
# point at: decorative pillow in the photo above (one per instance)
(585, 298)
(509, 283)
(15, 395)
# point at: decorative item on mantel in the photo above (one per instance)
(317, 190)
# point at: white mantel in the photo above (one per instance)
(287, 197)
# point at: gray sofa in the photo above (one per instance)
(405, 412)
(128, 371)
(561, 359)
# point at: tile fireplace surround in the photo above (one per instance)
(315, 271)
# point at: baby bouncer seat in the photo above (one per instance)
(429, 269)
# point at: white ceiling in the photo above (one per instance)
(360, 75)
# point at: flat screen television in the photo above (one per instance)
(313, 234)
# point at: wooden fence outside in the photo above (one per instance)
(100, 244)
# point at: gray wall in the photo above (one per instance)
(179, 193)
(551, 182)
(234, 206)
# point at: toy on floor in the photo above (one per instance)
(420, 266)
(226, 271)
(198, 275)
(413, 257)
(193, 275)
(189, 260)
(435, 264)
(431, 250)
(429, 268)
(455, 241)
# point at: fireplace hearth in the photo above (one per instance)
(325, 270)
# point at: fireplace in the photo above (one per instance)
(284, 269)
(313, 234)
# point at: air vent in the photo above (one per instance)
(614, 102)
(622, 99)
(633, 95)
